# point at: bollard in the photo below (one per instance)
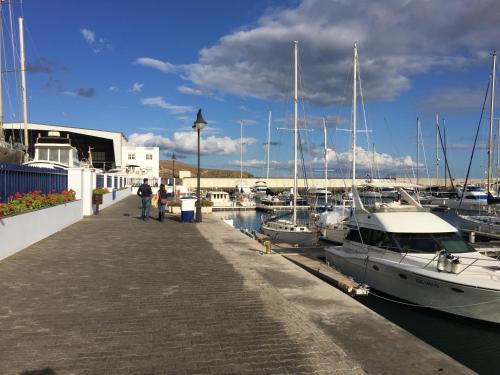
(267, 245)
(472, 237)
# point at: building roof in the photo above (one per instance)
(33, 125)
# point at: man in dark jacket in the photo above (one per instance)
(145, 193)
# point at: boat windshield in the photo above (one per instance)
(432, 242)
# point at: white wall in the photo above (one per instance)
(20, 231)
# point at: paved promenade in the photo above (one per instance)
(115, 295)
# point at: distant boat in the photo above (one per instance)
(290, 231)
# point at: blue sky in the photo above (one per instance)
(144, 68)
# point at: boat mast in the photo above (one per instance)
(354, 96)
(490, 138)
(268, 144)
(445, 156)
(295, 127)
(418, 146)
(326, 165)
(437, 150)
(241, 155)
(23, 82)
(1, 51)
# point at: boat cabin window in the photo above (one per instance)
(43, 153)
(432, 242)
(54, 155)
(64, 157)
(476, 197)
(373, 237)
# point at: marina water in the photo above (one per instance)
(475, 344)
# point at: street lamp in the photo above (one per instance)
(173, 171)
(198, 125)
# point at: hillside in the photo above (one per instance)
(166, 170)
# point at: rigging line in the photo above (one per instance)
(14, 62)
(445, 158)
(423, 151)
(474, 146)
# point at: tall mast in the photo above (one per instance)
(418, 147)
(445, 156)
(437, 149)
(23, 81)
(1, 75)
(498, 150)
(354, 96)
(268, 143)
(490, 138)
(295, 127)
(241, 155)
(326, 164)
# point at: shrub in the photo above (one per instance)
(34, 200)
(100, 191)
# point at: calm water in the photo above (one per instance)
(470, 342)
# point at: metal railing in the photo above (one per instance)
(23, 179)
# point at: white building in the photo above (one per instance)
(109, 150)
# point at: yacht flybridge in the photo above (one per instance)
(54, 151)
(407, 252)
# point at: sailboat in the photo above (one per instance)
(290, 231)
(10, 152)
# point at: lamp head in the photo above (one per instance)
(200, 123)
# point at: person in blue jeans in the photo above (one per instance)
(162, 202)
(145, 193)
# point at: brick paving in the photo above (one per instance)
(115, 295)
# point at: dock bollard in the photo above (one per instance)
(267, 245)
(472, 237)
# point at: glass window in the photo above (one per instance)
(149, 156)
(453, 243)
(64, 157)
(353, 235)
(131, 156)
(43, 153)
(54, 155)
(416, 242)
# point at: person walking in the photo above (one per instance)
(162, 202)
(145, 193)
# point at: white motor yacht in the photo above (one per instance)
(473, 199)
(414, 255)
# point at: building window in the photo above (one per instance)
(131, 156)
(149, 156)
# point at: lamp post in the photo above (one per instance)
(198, 125)
(173, 171)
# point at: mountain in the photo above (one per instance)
(166, 170)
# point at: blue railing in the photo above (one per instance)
(23, 179)
(99, 181)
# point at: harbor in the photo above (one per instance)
(309, 187)
(139, 303)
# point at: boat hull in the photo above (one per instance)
(467, 301)
(293, 238)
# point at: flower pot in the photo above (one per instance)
(97, 198)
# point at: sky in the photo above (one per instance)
(144, 68)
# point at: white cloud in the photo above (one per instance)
(186, 143)
(189, 90)
(365, 160)
(136, 87)
(397, 39)
(158, 101)
(254, 163)
(113, 89)
(97, 43)
(88, 35)
(162, 66)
